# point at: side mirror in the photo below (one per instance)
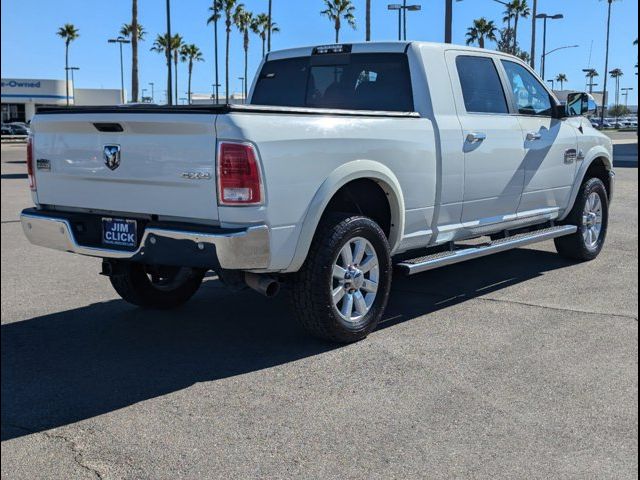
(579, 104)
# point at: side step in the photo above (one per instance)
(442, 259)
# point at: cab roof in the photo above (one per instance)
(368, 47)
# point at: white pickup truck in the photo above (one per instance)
(348, 160)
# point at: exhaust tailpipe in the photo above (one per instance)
(263, 284)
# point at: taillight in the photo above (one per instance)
(239, 181)
(30, 160)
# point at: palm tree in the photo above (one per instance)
(127, 29)
(368, 13)
(534, 24)
(482, 30)
(520, 9)
(338, 10)
(214, 18)
(261, 28)
(617, 74)
(246, 23)
(228, 7)
(127, 32)
(68, 33)
(161, 45)
(591, 74)
(190, 54)
(134, 49)
(562, 78)
(176, 45)
(509, 15)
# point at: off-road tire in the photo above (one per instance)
(311, 292)
(574, 246)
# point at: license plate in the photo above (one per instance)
(119, 232)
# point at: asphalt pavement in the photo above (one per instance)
(520, 365)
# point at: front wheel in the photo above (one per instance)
(342, 289)
(156, 286)
(591, 215)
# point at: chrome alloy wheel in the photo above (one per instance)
(592, 221)
(355, 277)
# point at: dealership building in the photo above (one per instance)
(21, 97)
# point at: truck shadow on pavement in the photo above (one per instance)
(70, 366)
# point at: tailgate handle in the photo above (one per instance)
(108, 127)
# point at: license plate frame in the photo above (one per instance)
(119, 232)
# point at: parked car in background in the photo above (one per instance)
(19, 124)
(347, 161)
(15, 129)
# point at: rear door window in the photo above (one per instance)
(376, 82)
(481, 86)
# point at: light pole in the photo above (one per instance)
(448, 20)
(553, 84)
(397, 7)
(73, 83)
(606, 66)
(402, 16)
(270, 15)
(121, 41)
(625, 94)
(546, 17)
(242, 79)
(546, 54)
(214, 92)
(153, 97)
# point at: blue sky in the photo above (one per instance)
(30, 48)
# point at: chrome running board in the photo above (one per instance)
(462, 254)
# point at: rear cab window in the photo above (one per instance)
(359, 81)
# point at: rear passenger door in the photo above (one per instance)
(493, 147)
(550, 143)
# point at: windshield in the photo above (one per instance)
(377, 82)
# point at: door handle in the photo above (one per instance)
(533, 136)
(476, 137)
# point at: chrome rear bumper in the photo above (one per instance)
(246, 249)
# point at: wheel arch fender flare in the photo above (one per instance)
(596, 153)
(341, 176)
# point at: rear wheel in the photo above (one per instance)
(591, 215)
(342, 289)
(156, 286)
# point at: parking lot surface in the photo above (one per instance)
(521, 365)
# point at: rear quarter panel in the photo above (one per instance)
(300, 153)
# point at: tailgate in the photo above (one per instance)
(154, 164)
